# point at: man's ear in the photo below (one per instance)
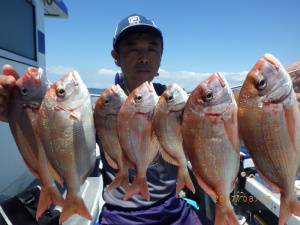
(116, 57)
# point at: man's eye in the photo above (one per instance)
(153, 50)
(133, 50)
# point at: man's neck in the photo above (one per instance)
(130, 86)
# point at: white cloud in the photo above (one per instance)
(104, 71)
(55, 73)
(104, 77)
(190, 79)
(59, 70)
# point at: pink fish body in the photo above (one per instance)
(67, 131)
(167, 126)
(210, 139)
(269, 123)
(136, 135)
(105, 115)
(23, 116)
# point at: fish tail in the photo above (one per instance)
(48, 195)
(121, 179)
(288, 207)
(225, 215)
(295, 207)
(184, 179)
(139, 185)
(74, 205)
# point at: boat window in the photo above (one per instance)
(17, 24)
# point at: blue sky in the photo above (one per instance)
(200, 37)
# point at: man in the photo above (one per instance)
(137, 50)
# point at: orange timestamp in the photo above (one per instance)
(243, 198)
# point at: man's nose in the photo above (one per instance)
(143, 57)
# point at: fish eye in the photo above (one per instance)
(262, 84)
(170, 98)
(24, 91)
(60, 92)
(209, 96)
(138, 98)
(106, 101)
(35, 105)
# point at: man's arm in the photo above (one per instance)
(7, 82)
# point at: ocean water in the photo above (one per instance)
(95, 91)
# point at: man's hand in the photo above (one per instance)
(7, 82)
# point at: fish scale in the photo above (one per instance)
(210, 139)
(136, 135)
(167, 121)
(68, 136)
(23, 122)
(106, 114)
(269, 121)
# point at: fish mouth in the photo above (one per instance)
(219, 114)
(34, 107)
(280, 99)
(147, 115)
(178, 107)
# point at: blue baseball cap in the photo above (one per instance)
(134, 22)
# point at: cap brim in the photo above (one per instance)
(137, 27)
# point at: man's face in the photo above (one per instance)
(139, 56)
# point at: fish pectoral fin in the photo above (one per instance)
(206, 188)
(112, 163)
(290, 121)
(232, 132)
(167, 157)
(127, 162)
(184, 180)
(33, 171)
(55, 175)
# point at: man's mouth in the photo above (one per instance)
(143, 69)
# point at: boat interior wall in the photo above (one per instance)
(15, 177)
(24, 46)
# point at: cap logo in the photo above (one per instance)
(134, 20)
